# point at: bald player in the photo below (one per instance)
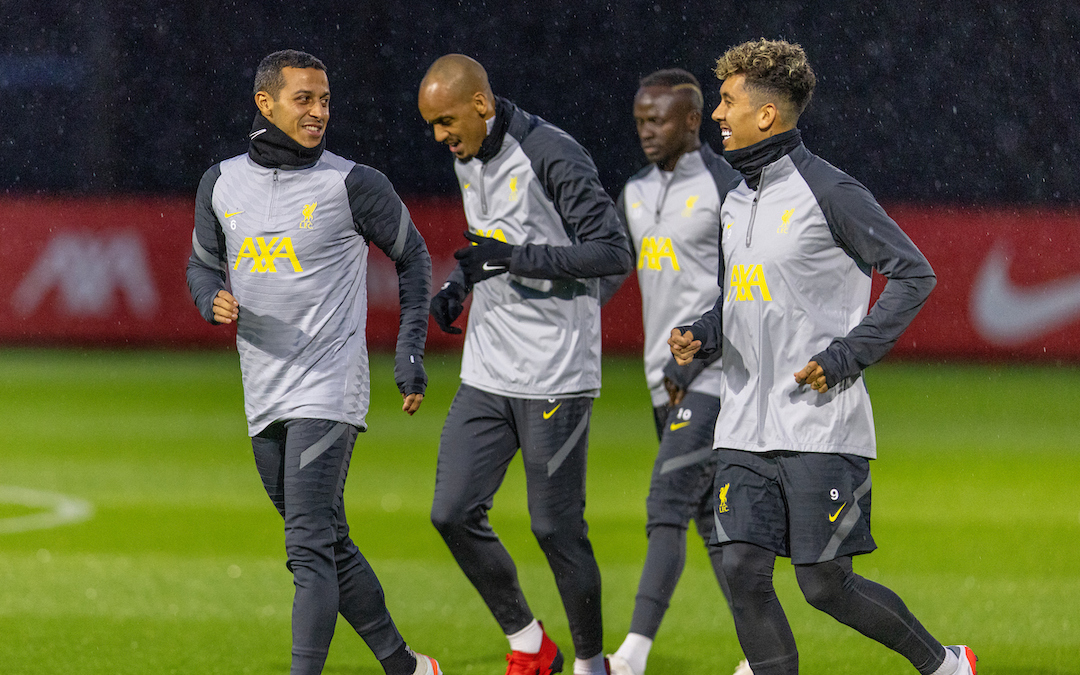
(672, 212)
(541, 233)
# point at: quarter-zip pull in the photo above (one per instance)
(753, 208)
(483, 195)
(663, 193)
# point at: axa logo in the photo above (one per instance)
(263, 254)
(496, 233)
(722, 507)
(90, 271)
(743, 280)
(654, 250)
(690, 201)
(309, 213)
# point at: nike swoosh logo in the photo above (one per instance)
(549, 413)
(833, 517)
(234, 213)
(1006, 314)
(675, 426)
(488, 267)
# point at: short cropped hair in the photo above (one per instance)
(676, 78)
(771, 67)
(268, 76)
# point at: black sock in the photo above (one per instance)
(401, 662)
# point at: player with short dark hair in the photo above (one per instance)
(280, 249)
(799, 241)
(544, 232)
(671, 209)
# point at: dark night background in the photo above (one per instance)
(957, 103)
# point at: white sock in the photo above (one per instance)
(421, 664)
(950, 665)
(635, 649)
(593, 666)
(527, 639)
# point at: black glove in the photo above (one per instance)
(410, 376)
(483, 259)
(447, 306)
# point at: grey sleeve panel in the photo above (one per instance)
(382, 219)
(874, 241)
(611, 284)
(600, 247)
(207, 266)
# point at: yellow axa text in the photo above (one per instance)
(653, 250)
(263, 254)
(497, 233)
(743, 280)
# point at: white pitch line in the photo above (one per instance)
(57, 510)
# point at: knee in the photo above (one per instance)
(551, 532)
(447, 519)
(747, 567)
(820, 583)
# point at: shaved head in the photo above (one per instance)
(457, 76)
(455, 99)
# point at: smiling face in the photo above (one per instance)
(667, 124)
(743, 121)
(302, 107)
(457, 120)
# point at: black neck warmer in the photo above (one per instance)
(749, 161)
(493, 142)
(271, 147)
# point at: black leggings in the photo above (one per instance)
(832, 587)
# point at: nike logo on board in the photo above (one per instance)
(1006, 314)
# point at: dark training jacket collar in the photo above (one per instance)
(272, 148)
(749, 161)
(504, 111)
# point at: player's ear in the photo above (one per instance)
(767, 116)
(265, 104)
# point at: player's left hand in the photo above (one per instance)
(412, 403)
(484, 258)
(814, 375)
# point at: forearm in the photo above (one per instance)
(414, 292)
(874, 337)
(594, 258)
(204, 282)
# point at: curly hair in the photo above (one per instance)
(268, 76)
(771, 67)
(679, 79)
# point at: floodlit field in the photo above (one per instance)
(172, 560)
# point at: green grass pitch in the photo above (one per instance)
(180, 569)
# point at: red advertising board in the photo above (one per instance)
(110, 271)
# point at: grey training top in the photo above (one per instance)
(535, 332)
(293, 245)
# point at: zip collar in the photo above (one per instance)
(504, 111)
(272, 148)
(749, 161)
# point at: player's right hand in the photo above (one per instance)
(447, 306)
(226, 308)
(683, 346)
